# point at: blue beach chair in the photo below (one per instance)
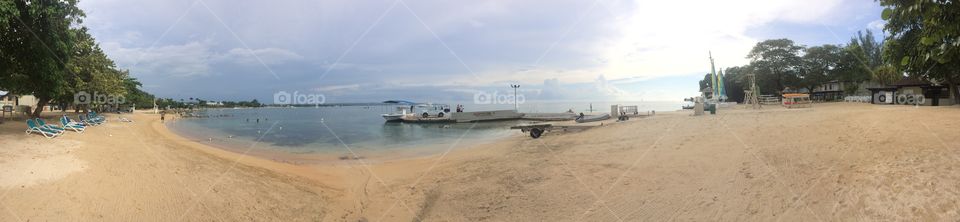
(96, 117)
(87, 121)
(40, 122)
(75, 126)
(33, 128)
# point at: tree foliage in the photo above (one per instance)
(924, 39)
(36, 43)
(777, 64)
(820, 65)
(45, 52)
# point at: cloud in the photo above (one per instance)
(877, 25)
(577, 49)
(269, 56)
(661, 38)
(192, 59)
(189, 59)
(350, 87)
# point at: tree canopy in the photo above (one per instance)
(779, 64)
(776, 63)
(46, 52)
(924, 39)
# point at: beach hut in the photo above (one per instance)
(797, 100)
(912, 91)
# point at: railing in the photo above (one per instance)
(858, 99)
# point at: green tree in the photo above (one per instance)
(924, 39)
(852, 67)
(886, 74)
(706, 81)
(819, 65)
(91, 71)
(135, 95)
(776, 63)
(734, 82)
(871, 47)
(35, 46)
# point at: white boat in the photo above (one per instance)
(397, 116)
(391, 117)
(592, 118)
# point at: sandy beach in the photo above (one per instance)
(834, 162)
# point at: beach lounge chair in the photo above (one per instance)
(81, 123)
(95, 117)
(33, 128)
(40, 122)
(87, 121)
(68, 124)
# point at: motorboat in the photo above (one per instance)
(398, 115)
(393, 117)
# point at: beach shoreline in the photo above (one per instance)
(836, 161)
(329, 154)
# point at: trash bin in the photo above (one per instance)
(712, 108)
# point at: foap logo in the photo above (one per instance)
(496, 97)
(297, 98)
(85, 98)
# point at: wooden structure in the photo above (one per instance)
(769, 100)
(797, 100)
(922, 92)
(752, 96)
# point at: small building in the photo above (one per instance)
(829, 91)
(20, 103)
(932, 95)
(797, 100)
(836, 90)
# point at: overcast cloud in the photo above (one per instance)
(355, 51)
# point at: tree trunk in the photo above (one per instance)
(955, 90)
(41, 102)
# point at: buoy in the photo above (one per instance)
(883, 98)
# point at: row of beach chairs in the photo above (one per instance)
(857, 99)
(39, 126)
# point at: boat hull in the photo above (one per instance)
(587, 119)
(392, 117)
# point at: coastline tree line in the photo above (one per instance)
(923, 42)
(45, 51)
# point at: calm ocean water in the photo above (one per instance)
(329, 129)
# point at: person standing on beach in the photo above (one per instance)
(163, 115)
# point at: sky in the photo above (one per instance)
(376, 50)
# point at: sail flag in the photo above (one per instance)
(722, 91)
(713, 76)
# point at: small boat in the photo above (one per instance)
(398, 115)
(392, 117)
(592, 118)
